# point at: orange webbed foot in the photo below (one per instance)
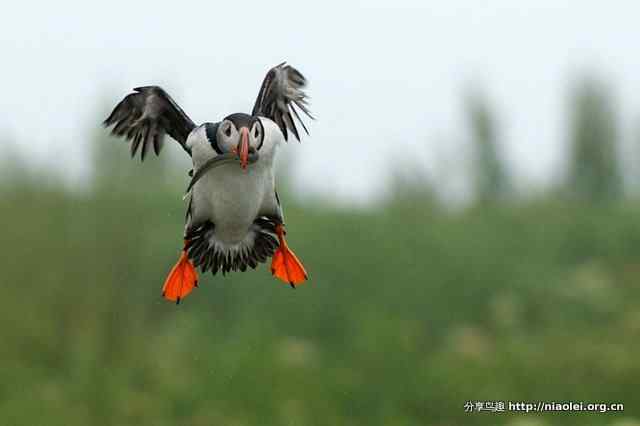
(285, 265)
(181, 280)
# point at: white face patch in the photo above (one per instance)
(227, 136)
(273, 137)
(256, 134)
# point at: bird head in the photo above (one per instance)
(241, 134)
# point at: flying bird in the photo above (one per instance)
(234, 217)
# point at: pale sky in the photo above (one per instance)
(387, 78)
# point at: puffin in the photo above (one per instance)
(234, 219)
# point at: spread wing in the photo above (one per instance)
(145, 116)
(280, 94)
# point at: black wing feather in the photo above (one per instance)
(281, 89)
(145, 116)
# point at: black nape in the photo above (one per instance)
(211, 129)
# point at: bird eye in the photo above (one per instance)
(256, 132)
(227, 131)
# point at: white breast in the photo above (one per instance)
(227, 195)
(230, 198)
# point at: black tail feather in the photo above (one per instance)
(206, 257)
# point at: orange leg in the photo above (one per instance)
(285, 265)
(181, 280)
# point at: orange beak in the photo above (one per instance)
(243, 147)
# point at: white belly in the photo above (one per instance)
(230, 197)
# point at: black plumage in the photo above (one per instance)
(281, 92)
(207, 257)
(145, 116)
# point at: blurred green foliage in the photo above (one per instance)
(410, 311)
(490, 176)
(594, 172)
